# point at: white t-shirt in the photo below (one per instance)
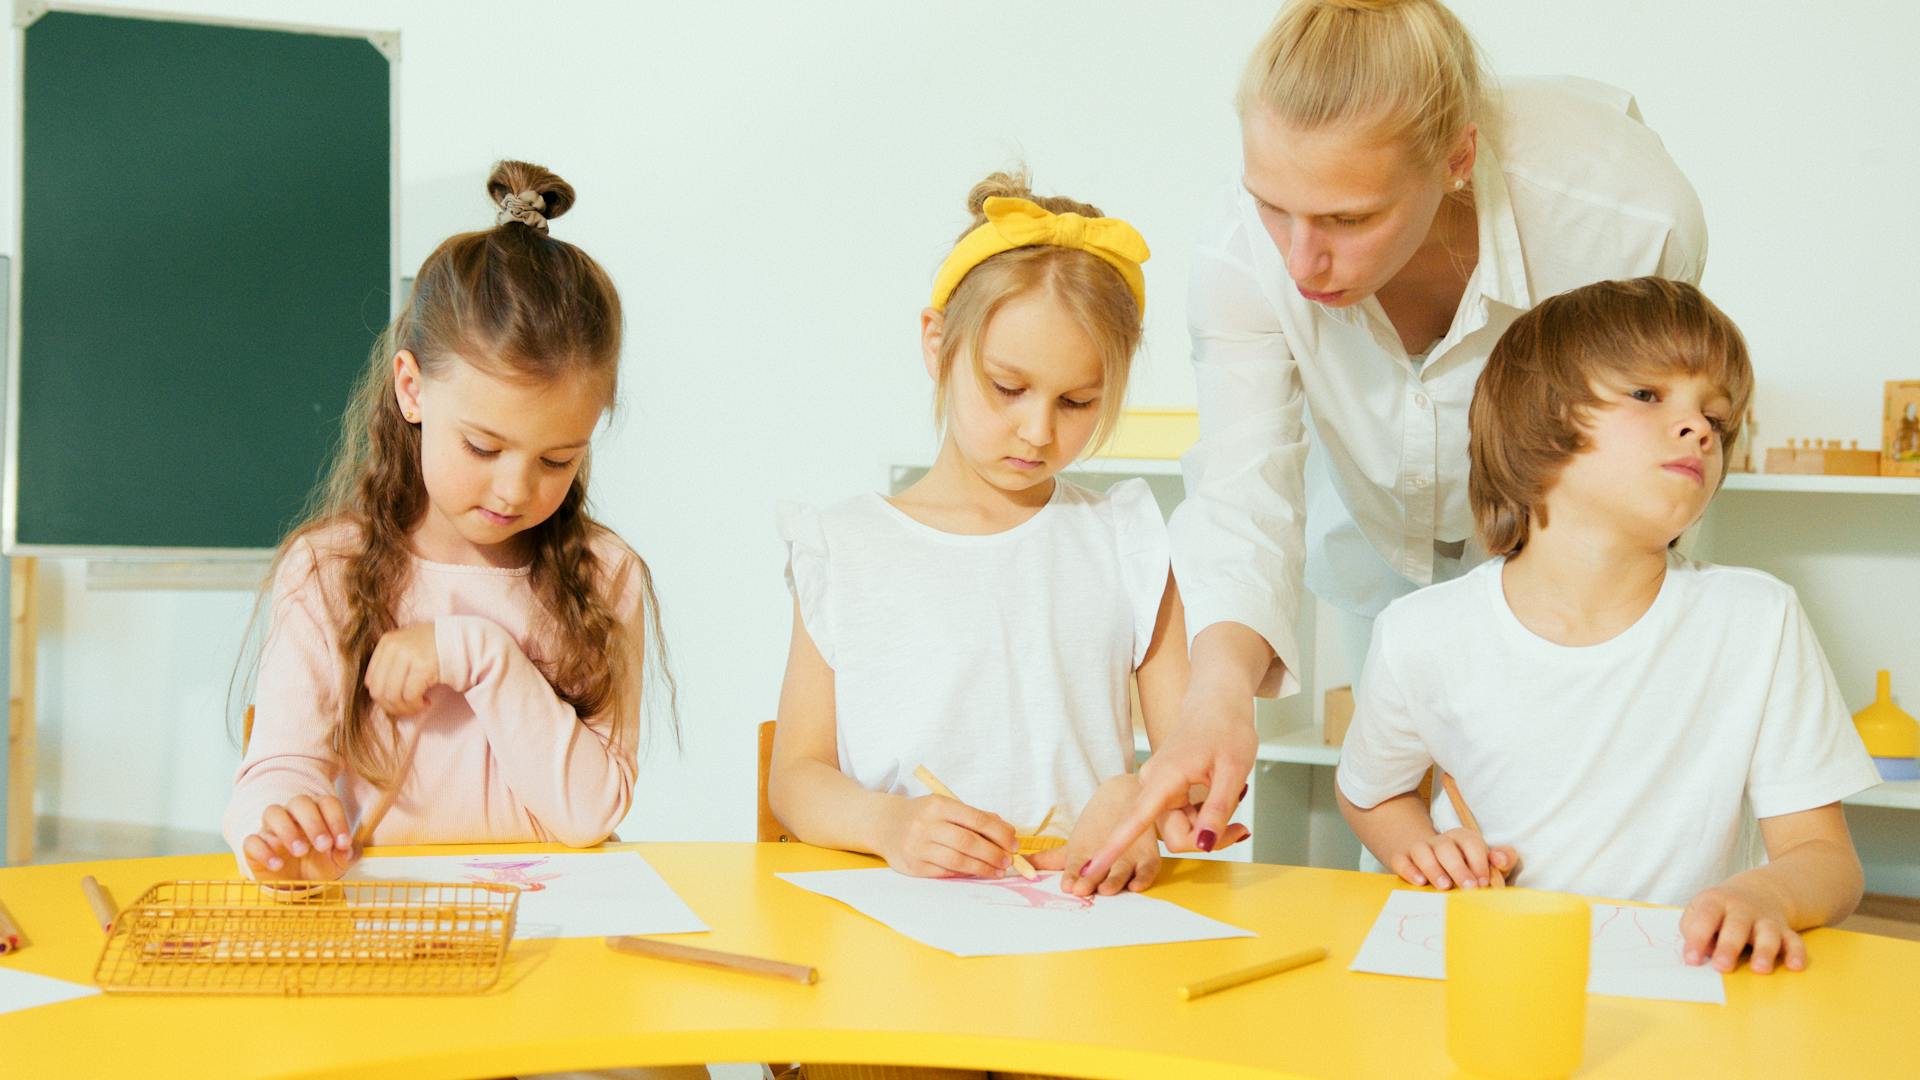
(1000, 662)
(1627, 769)
(1569, 188)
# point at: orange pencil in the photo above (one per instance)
(714, 958)
(1466, 818)
(9, 932)
(371, 819)
(97, 899)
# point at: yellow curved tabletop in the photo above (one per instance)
(573, 1004)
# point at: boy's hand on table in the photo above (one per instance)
(1722, 921)
(1457, 857)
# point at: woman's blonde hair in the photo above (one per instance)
(1543, 380)
(1406, 67)
(518, 304)
(1092, 292)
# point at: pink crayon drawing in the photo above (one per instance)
(1019, 892)
(510, 873)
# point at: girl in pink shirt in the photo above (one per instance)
(450, 586)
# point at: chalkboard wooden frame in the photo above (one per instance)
(28, 12)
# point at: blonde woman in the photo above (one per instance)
(1395, 213)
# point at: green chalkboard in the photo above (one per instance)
(205, 260)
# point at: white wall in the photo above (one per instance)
(772, 185)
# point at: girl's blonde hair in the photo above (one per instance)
(1093, 293)
(1405, 67)
(517, 304)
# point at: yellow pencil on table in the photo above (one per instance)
(371, 819)
(924, 775)
(97, 900)
(1248, 974)
(9, 932)
(713, 958)
(1466, 818)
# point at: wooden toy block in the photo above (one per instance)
(1336, 714)
(1900, 438)
(1823, 457)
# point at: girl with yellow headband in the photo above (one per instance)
(985, 622)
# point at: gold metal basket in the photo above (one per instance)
(341, 937)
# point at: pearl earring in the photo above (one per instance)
(1459, 182)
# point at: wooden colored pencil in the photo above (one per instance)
(1248, 974)
(925, 775)
(1466, 818)
(371, 819)
(9, 932)
(97, 899)
(713, 958)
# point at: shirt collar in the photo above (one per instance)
(1501, 270)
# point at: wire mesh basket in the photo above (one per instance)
(341, 937)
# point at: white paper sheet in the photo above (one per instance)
(1008, 916)
(571, 895)
(25, 990)
(1636, 951)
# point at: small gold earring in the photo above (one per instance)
(413, 417)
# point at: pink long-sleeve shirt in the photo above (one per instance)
(502, 757)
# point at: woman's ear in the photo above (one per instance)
(1465, 152)
(932, 322)
(406, 385)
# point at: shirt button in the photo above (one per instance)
(1417, 482)
(1420, 400)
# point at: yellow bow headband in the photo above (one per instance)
(1018, 223)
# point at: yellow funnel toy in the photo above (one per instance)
(1887, 729)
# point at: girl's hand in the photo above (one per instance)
(305, 840)
(1179, 826)
(1137, 866)
(405, 665)
(1455, 857)
(934, 836)
(1213, 747)
(1729, 916)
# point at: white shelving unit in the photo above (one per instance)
(1824, 485)
(1304, 747)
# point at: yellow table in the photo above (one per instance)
(885, 998)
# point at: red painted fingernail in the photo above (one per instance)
(1084, 867)
(1205, 840)
(1243, 790)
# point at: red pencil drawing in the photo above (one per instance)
(1620, 935)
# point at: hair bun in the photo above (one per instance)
(509, 183)
(1015, 183)
(1010, 185)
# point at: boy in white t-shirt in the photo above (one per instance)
(1614, 715)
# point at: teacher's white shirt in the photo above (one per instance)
(1570, 188)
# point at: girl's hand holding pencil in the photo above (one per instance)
(937, 836)
(307, 838)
